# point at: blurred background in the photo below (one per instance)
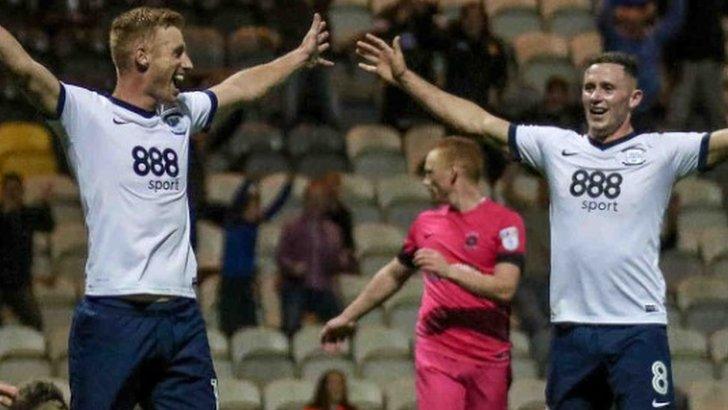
(337, 150)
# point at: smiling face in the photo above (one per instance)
(168, 64)
(609, 94)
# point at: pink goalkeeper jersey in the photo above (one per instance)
(452, 321)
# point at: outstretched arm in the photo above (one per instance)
(39, 85)
(254, 82)
(383, 285)
(718, 148)
(388, 62)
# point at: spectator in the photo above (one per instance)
(477, 65)
(413, 22)
(632, 26)
(338, 212)
(698, 55)
(310, 253)
(17, 224)
(39, 395)
(557, 108)
(236, 299)
(331, 393)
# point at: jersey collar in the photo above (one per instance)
(603, 146)
(133, 108)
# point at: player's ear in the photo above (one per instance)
(141, 58)
(636, 98)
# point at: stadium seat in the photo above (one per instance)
(251, 45)
(359, 94)
(520, 344)
(271, 186)
(351, 286)
(704, 303)
(238, 395)
(306, 345)
(541, 56)
(708, 395)
(230, 17)
(700, 219)
(62, 384)
(403, 198)
(378, 239)
(61, 292)
(714, 245)
(207, 294)
(287, 394)
(205, 46)
(68, 239)
(316, 165)
(308, 138)
(314, 368)
(526, 392)
(357, 190)
(719, 350)
(568, 17)
(509, 18)
(697, 192)
(348, 19)
(266, 163)
(365, 213)
(676, 266)
(400, 394)
(268, 236)
(23, 137)
(219, 346)
(365, 395)
(260, 354)
(29, 164)
(57, 346)
(523, 368)
(584, 46)
(209, 250)
(255, 137)
(21, 342)
(372, 138)
(382, 354)
(523, 191)
(63, 189)
(418, 141)
(689, 352)
(403, 317)
(19, 370)
(221, 187)
(56, 316)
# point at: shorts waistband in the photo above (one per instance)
(119, 305)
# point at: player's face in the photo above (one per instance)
(168, 65)
(438, 176)
(608, 95)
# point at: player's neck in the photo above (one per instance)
(624, 130)
(132, 92)
(466, 198)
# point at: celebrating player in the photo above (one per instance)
(471, 252)
(609, 190)
(138, 336)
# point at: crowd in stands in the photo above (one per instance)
(297, 197)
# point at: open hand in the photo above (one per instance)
(381, 59)
(432, 261)
(316, 42)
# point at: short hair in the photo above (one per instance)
(33, 395)
(465, 153)
(135, 24)
(11, 176)
(627, 61)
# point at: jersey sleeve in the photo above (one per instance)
(74, 103)
(530, 143)
(511, 242)
(688, 151)
(409, 247)
(201, 107)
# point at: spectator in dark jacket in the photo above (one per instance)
(236, 296)
(17, 224)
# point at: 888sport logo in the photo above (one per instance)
(159, 163)
(595, 185)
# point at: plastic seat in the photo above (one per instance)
(364, 394)
(525, 392)
(316, 165)
(271, 186)
(21, 342)
(63, 189)
(521, 346)
(308, 138)
(399, 189)
(541, 56)
(29, 164)
(60, 293)
(58, 351)
(251, 45)
(403, 317)
(365, 213)
(708, 395)
(266, 163)
(382, 354)
(209, 246)
(205, 46)
(418, 141)
(686, 371)
(287, 394)
(700, 219)
(704, 303)
(219, 346)
(568, 17)
(238, 395)
(19, 370)
(584, 46)
(23, 137)
(223, 369)
(719, 347)
(260, 354)
(697, 192)
(676, 266)
(523, 367)
(314, 368)
(378, 239)
(268, 236)
(221, 187)
(306, 345)
(357, 190)
(400, 394)
(714, 245)
(255, 137)
(509, 18)
(379, 165)
(68, 239)
(348, 19)
(372, 138)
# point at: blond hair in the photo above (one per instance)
(462, 152)
(136, 24)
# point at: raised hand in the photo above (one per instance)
(381, 59)
(316, 42)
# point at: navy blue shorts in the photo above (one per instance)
(593, 366)
(155, 354)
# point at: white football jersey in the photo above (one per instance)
(607, 206)
(131, 167)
